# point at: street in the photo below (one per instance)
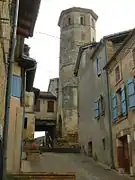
(84, 168)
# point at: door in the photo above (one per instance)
(90, 148)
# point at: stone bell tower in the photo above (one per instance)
(77, 27)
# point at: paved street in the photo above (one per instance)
(84, 167)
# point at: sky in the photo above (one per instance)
(114, 16)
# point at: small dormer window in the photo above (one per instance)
(69, 21)
(82, 20)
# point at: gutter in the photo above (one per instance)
(15, 6)
(109, 108)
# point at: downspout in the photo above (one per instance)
(109, 109)
(9, 85)
(24, 89)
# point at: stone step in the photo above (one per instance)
(44, 176)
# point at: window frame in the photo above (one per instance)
(37, 106)
(50, 110)
(101, 106)
(96, 109)
(25, 122)
(98, 66)
(114, 107)
(131, 94)
(82, 20)
(133, 54)
(117, 75)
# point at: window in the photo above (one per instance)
(25, 122)
(98, 68)
(82, 36)
(114, 107)
(96, 109)
(131, 93)
(37, 106)
(133, 52)
(123, 101)
(103, 143)
(82, 20)
(118, 96)
(93, 23)
(50, 106)
(101, 106)
(16, 86)
(27, 100)
(117, 74)
(69, 21)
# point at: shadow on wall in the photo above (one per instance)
(60, 127)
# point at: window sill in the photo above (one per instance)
(120, 119)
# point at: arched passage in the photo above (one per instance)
(60, 126)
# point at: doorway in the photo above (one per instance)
(123, 154)
(90, 148)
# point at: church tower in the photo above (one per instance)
(77, 27)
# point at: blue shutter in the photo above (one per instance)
(96, 109)
(123, 102)
(131, 94)
(114, 107)
(16, 86)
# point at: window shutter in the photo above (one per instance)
(96, 109)
(123, 102)
(101, 106)
(16, 86)
(131, 93)
(98, 66)
(114, 107)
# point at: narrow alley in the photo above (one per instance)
(84, 168)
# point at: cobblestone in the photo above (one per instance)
(82, 166)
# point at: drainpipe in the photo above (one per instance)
(109, 108)
(24, 89)
(9, 85)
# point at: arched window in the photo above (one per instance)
(82, 20)
(69, 21)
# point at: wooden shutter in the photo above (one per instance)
(16, 86)
(131, 93)
(96, 109)
(50, 106)
(114, 107)
(123, 102)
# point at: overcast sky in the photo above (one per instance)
(114, 16)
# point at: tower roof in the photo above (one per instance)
(77, 9)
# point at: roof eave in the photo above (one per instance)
(119, 50)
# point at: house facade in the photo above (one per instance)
(46, 115)
(5, 32)
(121, 76)
(22, 80)
(94, 117)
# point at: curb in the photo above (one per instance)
(113, 170)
